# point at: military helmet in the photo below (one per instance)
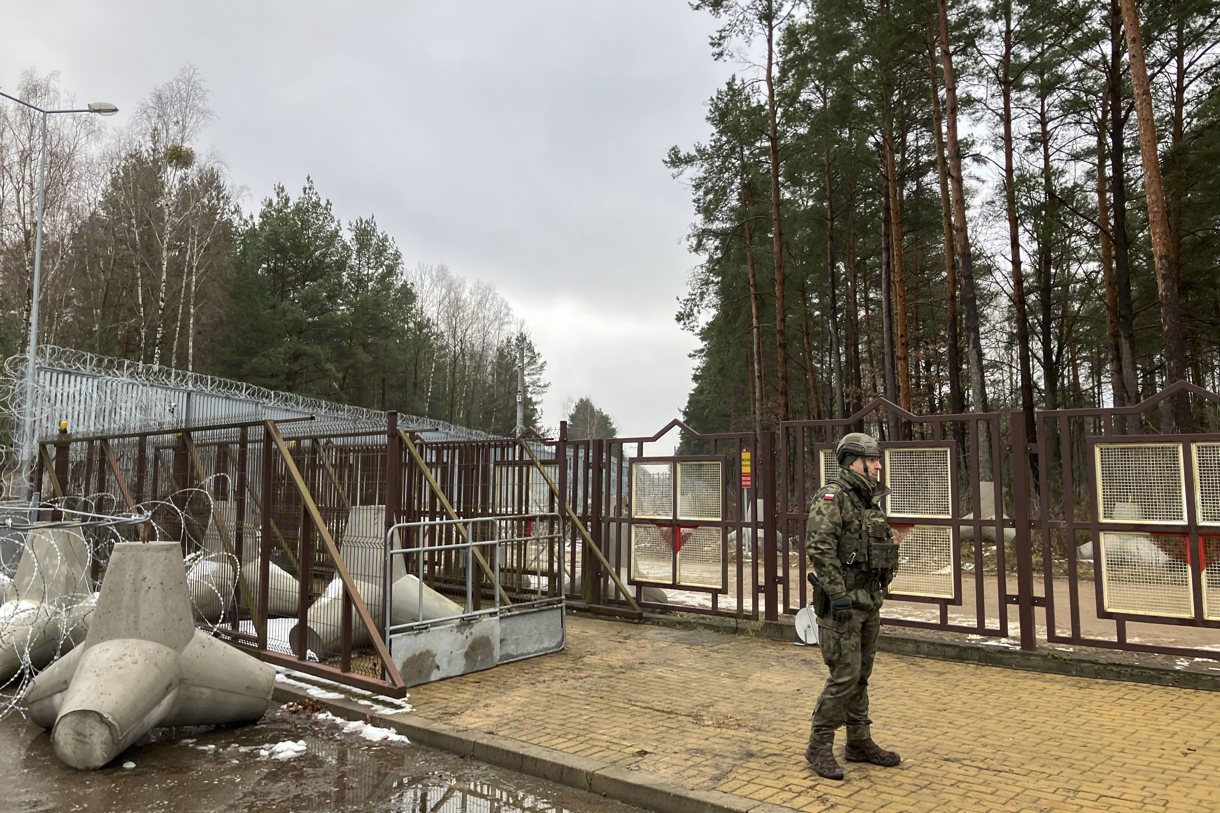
(857, 444)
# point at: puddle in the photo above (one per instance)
(287, 762)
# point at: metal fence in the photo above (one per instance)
(1100, 532)
(1091, 535)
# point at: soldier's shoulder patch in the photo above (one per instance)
(829, 495)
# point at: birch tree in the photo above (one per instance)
(166, 127)
(73, 172)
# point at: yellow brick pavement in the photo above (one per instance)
(708, 711)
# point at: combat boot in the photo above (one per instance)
(869, 751)
(824, 763)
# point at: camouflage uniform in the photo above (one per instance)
(852, 552)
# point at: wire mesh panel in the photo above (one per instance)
(541, 497)
(926, 564)
(529, 559)
(830, 466)
(531, 556)
(920, 482)
(682, 555)
(221, 533)
(700, 557)
(1207, 478)
(652, 553)
(521, 489)
(680, 549)
(1146, 574)
(652, 490)
(1140, 482)
(700, 486)
(1211, 578)
(362, 544)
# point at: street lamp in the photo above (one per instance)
(29, 439)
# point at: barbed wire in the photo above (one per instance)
(51, 570)
(103, 394)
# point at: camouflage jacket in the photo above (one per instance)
(848, 539)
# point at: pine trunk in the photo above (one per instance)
(1122, 243)
(1158, 220)
(1024, 367)
(836, 352)
(974, 345)
(777, 236)
(957, 403)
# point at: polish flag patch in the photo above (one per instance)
(828, 496)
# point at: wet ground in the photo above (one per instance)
(292, 760)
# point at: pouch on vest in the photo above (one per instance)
(882, 551)
(882, 554)
(853, 546)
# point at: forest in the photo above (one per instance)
(148, 256)
(959, 206)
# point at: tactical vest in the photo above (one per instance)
(866, 541)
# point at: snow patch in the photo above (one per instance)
(375, 703)
(374, 733)
(284, 751)
(362, 729)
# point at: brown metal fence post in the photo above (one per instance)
(264, 553)
(591, 565)
(1020, 497)
(183, 479)
(62, 459)
(141, 492)
(561, 508)
(771, 575)
(237, 493)
(393, 475)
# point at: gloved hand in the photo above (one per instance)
(840, 609)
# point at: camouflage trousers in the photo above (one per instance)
(849, 650)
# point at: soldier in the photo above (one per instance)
(854, 558)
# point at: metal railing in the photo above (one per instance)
(469, 561)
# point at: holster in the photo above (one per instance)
(819, 599)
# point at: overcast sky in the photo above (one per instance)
(518, 142)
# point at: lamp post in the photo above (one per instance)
(29, 430)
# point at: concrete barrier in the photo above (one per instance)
(987, 512)
(222, 538)
(211, 581)
(143, 665)
(409, 601)
(283, 590)
(49, 604)
(323, 631)
(649, 593)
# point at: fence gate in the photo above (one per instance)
(941, 507)
(1099, 531)
(681, 531)
(1128, 531)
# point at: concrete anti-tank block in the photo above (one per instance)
(48, 603)
(143, 665)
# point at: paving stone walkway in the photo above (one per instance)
(697, 719)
